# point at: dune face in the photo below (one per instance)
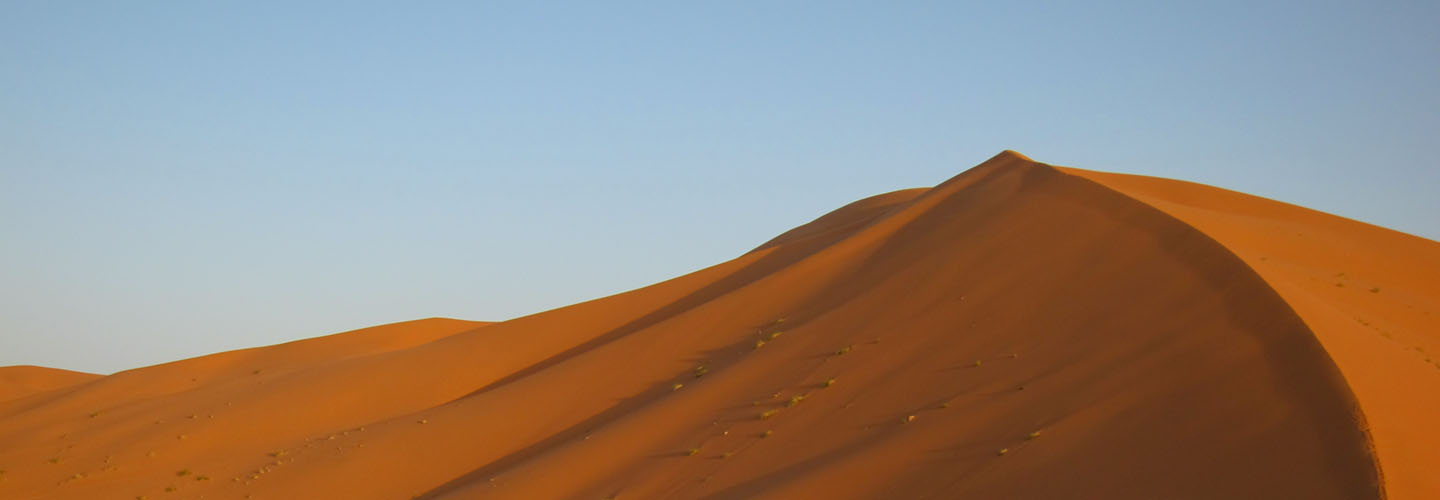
(17, 381)
(1019, 331)
(1368, 293)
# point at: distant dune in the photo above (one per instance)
(1018, 331)
(16, 381)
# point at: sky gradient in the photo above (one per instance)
(181, 178)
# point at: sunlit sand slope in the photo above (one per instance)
(1019, 331)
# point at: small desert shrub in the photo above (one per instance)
(182, 472)
(767, 414)
(1002, 451)
(759, 344)
(700, 371)
(977, 363)
(907, 419)
(766, 434)
(1375, 290)
(692, 452)
(1032, 435)
(727, 454)
(202, 478)
(795, 400)
(676, 386)
(773, 335)
(829, 382)
(843, 350)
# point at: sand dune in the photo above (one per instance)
(17, 381)
(1368, 293)
(1018, 331)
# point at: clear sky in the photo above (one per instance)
(180, 178)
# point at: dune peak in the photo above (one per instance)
(1010, 153)
(1118, 336)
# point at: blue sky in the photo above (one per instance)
(180, 178)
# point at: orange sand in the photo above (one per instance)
(1019, 331)
(16, 381)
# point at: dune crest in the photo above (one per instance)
(1017, 331)
(1367, 292)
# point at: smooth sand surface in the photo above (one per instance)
(1019, 331)
(1368, 293)
(17, 381)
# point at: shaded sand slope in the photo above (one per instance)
(1015, 332)
(1370, 294)
(16, 381)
